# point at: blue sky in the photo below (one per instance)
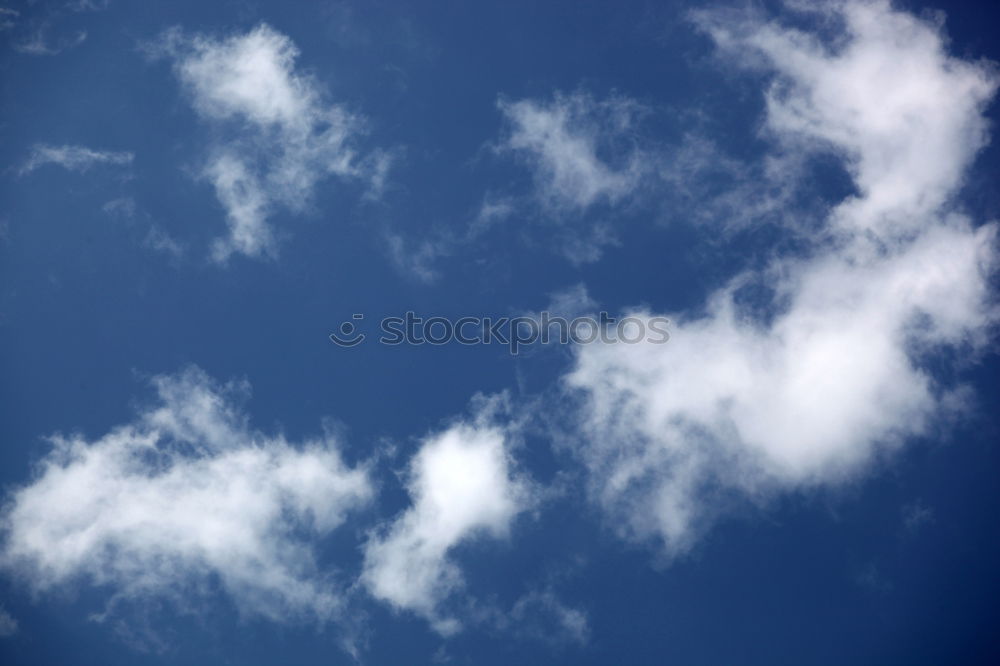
(195, 196)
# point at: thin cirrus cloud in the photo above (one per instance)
(186, 494)
(72, 158)
(38, 32)
(462, 486)
(38, 45)
(831, 378)
(285, 138)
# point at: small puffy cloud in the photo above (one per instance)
(185, 496)
(73, 158)
(462, 486)
(807, 385)
(286, 136)
(580, 150)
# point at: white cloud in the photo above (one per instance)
(73, 158)
(579, 149)
(585, 159)
(185, 495)
(905, 115)
(288, 136)
(742, 403)
(462, 486)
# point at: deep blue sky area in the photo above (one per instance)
(893, 562)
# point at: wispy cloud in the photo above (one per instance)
(917, 515)
(38, 44)
(418, 259)
(8, 18)
(541, 615)
(155, 238)
(159, 240)
(560, 140)
(8, 625)
(584, 157)
(73, 158)
(33, 33)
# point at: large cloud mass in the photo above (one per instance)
(809, 392)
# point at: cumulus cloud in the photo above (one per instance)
(186, 496)
(462, 485)
(807, 386)
(73, 158)
(287, 135)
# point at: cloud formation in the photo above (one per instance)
(808, 385)
(185, 495)
(73, 158)
(578, 148)
(462, 486)
(287, 136)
